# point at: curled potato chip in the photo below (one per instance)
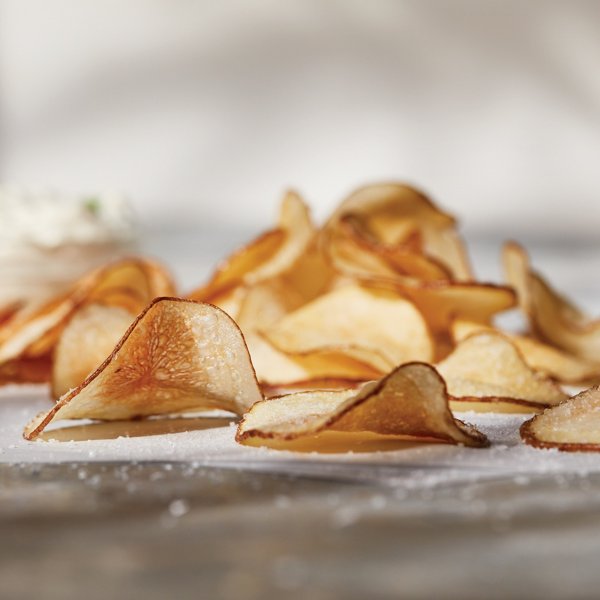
(31, 334)
(409, 403)
(270, 255)
(487, 372)
(392, 213)
(86, 341)
(404, 258)
(551, 316)
(573, 425)
(178, 356)
(278, 369)
(542, 357)
(375, 326)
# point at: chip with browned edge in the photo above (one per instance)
(86, 341)
(30, 336)
(375, 326)
(411, 403)
(552, 317)
(487, 372)
(558, 364)
(178, 356)
(573, 425)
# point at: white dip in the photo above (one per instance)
(47, 240)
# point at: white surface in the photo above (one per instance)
(206, 110)
(423, 466)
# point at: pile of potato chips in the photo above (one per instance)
(369, 327)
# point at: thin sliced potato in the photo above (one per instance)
(34, 331)
(178, 356)
(487, 371)
(572, 426)
(409, 403)
(86, 341)
(393, 212)
(560, 365)
(552, 317)
(275, 368)
(375, 326)
(405, 258)
(271, 254)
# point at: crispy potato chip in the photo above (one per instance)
(409, 403)
(322, 384)
(178, 356)
(86, 341)
(393, 212)
(375, 326)
(552, 317)
(26, 370)
(441, 303)
(404, 258)
(573, 425)
(275, 368)
(270, 255)
(561, 366)
(486, 371)
(267, 302)
(33, 332)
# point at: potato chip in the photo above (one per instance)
(552, 317)
(178, 356)
(573, 425)
(374, 326)
(409, 403)
(557, 364)
(276, 368)
(486, 371)
(405, 258)
(270, 255)
(392, 213)
(86, 341)
(31, 335)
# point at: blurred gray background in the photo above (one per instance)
(203, 112)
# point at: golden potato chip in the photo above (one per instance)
(552, 317)
(375, 326)
(404, 258)
(409, 403)
(441, 303)
(267, 302)
(487, 372)
(270, 255)
(276, 368)
(542, 357)
(33, 332)
(178, 356)
(393, 212)
(322, 384)
(573, 425)
(86, 341)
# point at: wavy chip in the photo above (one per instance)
(31, 334)
(374, 326)
(409, 403)
(178, 356)
(271, 254)
(278, 369)
(487, 372)
(557, 364)
(572, 426)
(393, 213)
(552, 317)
